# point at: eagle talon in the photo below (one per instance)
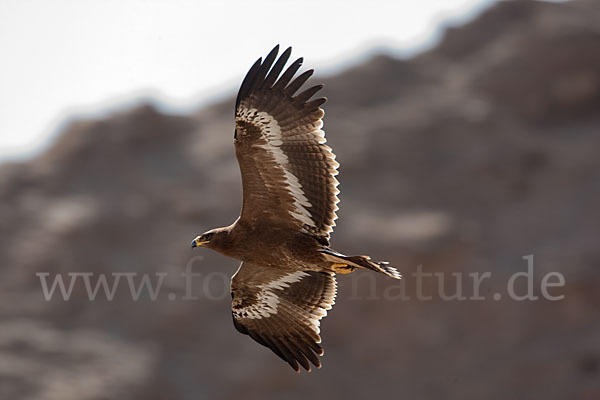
(342, 268)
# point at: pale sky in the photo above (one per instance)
(66, 58)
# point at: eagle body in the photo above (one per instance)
(270, 245)
(286, 282)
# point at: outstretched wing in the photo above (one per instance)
(281, 310)
(288, 173)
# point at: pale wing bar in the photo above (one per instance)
(281, 149)
(282, 309)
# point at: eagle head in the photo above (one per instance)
(203, 239)
(211, 239)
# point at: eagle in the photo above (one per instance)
(286, 281)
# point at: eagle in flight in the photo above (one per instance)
(286, 282)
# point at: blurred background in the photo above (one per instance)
(468, 137)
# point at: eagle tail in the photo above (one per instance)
(379, 266)
(363, 262)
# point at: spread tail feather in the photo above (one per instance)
(363, 262)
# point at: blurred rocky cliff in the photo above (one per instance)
(462, 160)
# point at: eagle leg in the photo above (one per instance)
(339, 268)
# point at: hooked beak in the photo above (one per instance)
(197, 243)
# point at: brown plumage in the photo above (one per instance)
(286, 281)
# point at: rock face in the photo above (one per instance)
(460, 161)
